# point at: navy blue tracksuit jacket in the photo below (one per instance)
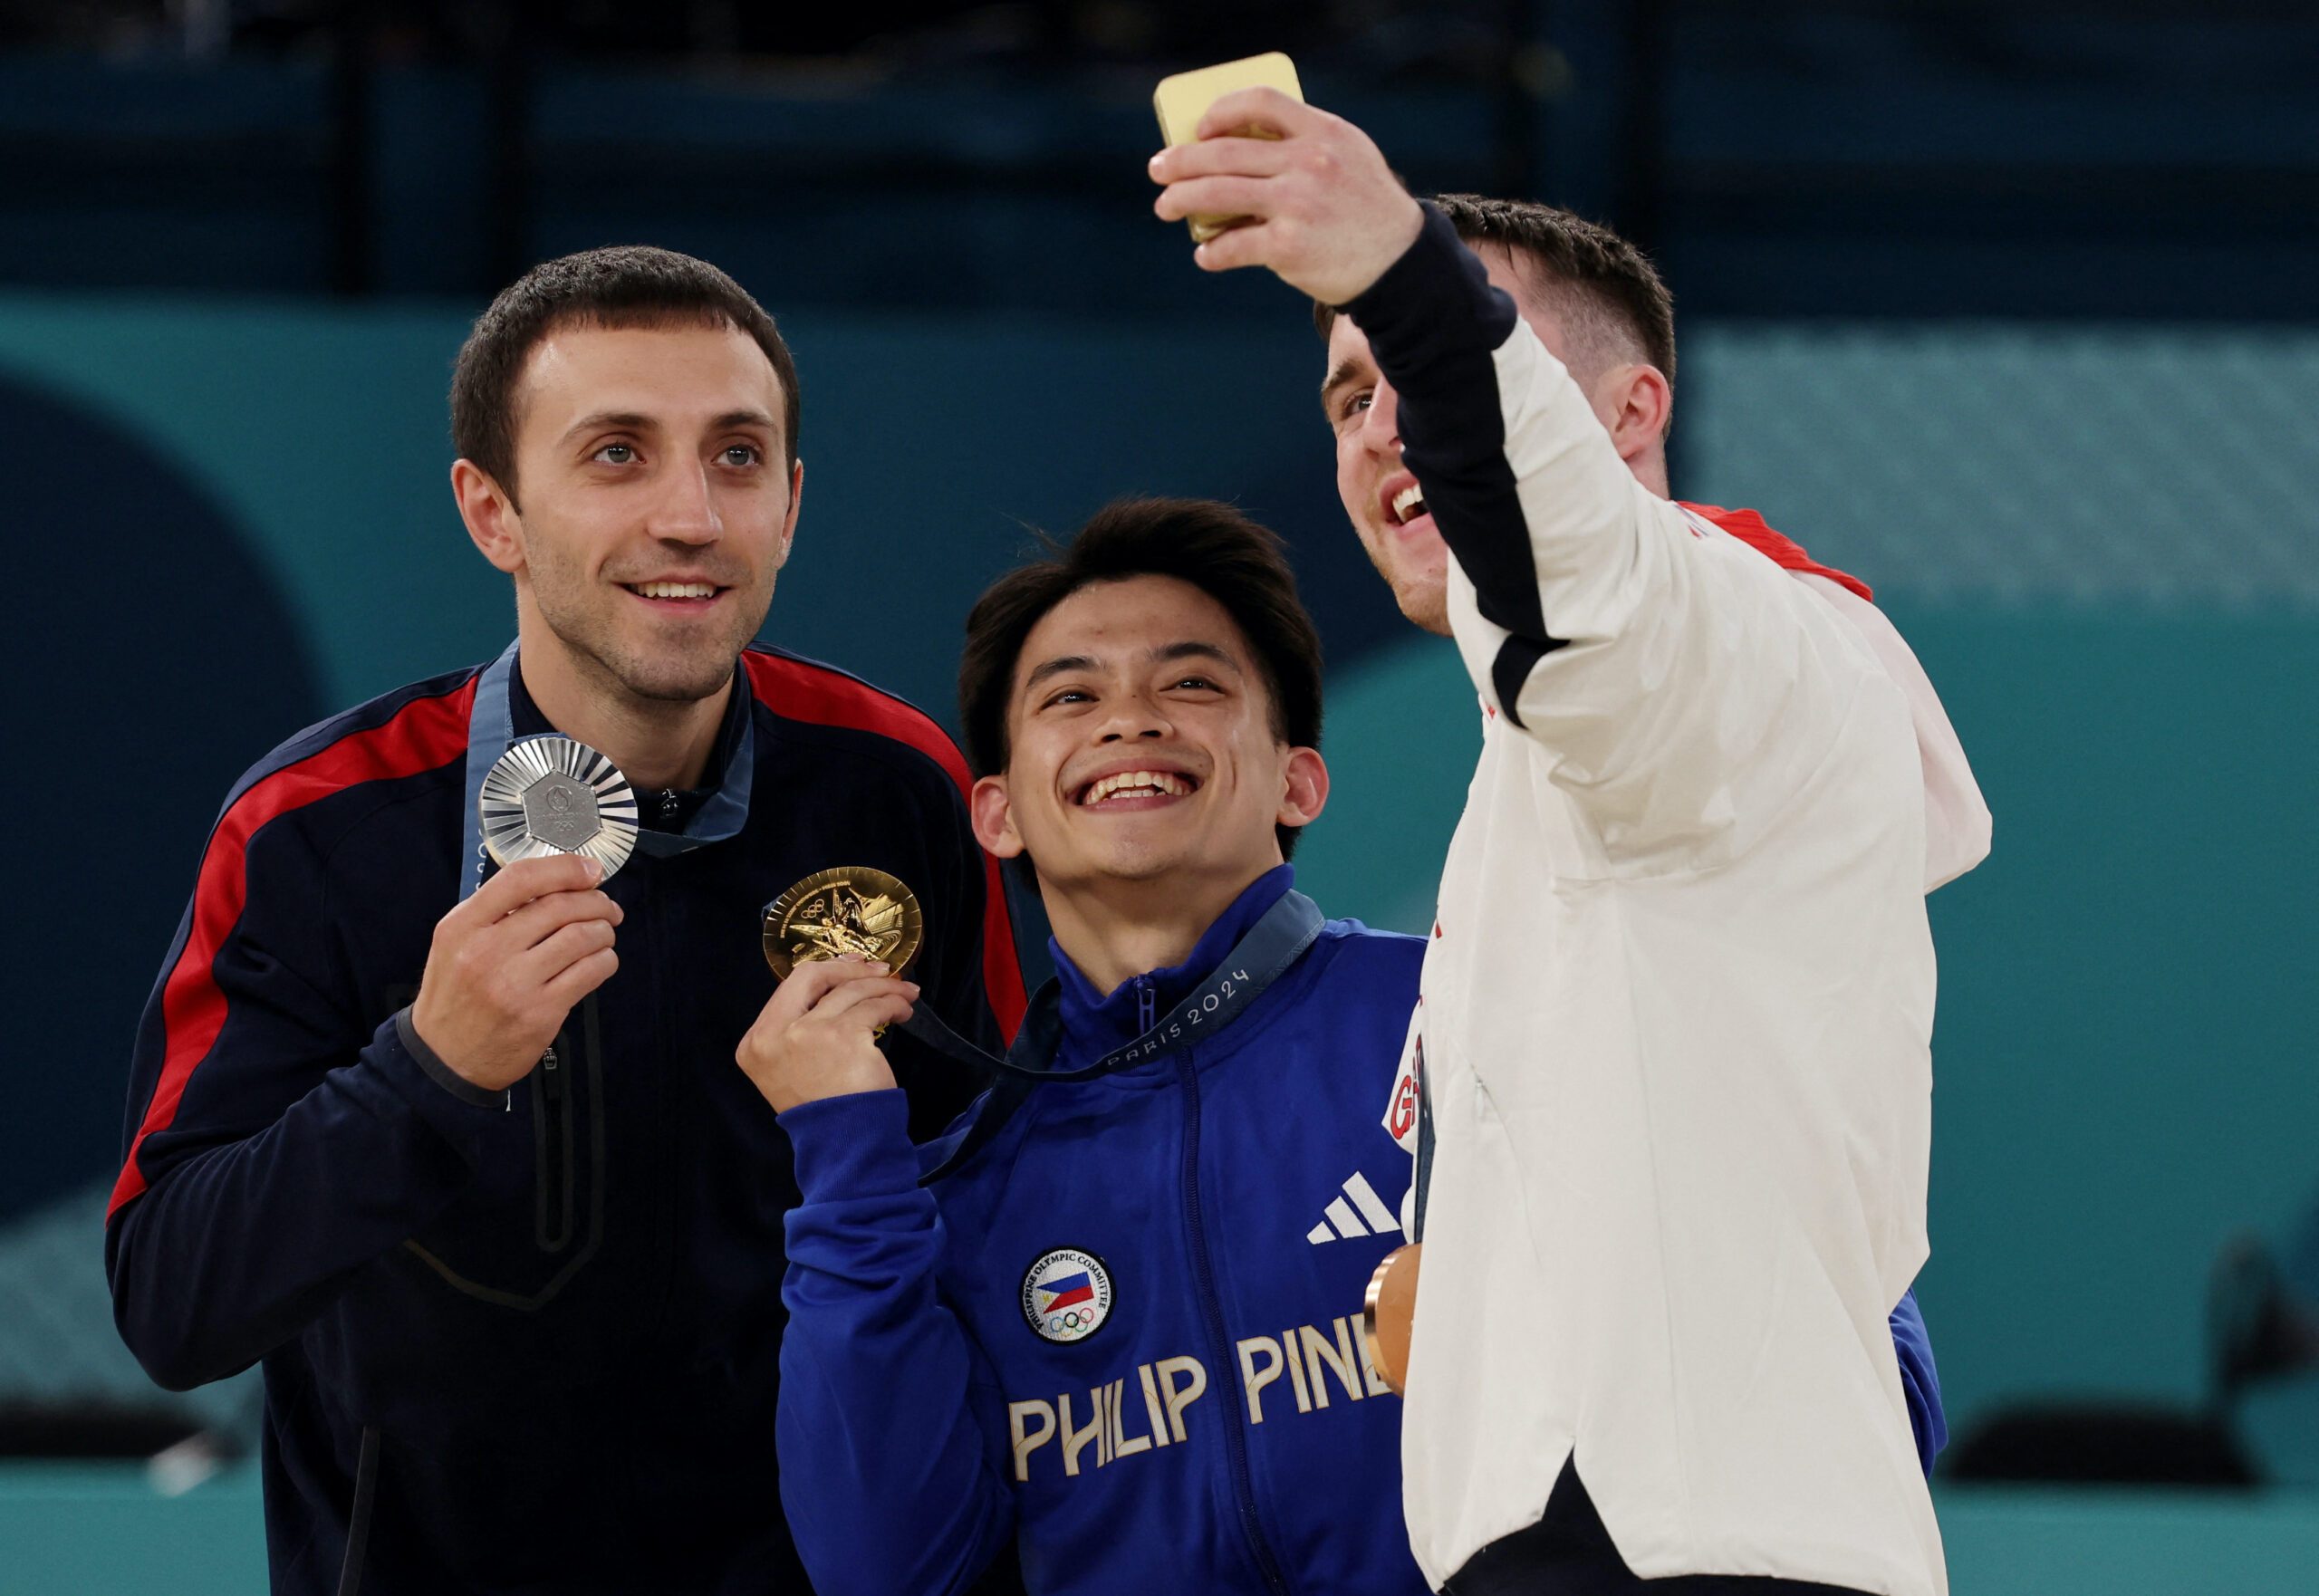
(1221, 1207)
(521, 1342)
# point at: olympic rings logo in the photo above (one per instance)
(1077, 1276)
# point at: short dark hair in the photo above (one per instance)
(1243, 566)
(627, 285)
(1612, 279)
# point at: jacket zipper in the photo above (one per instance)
(555, 1214)
(1147, 1004)
(1236, 1440)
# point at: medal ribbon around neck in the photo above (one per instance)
(1274, 943)
(491, 732)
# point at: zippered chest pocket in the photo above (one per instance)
(533, 1215)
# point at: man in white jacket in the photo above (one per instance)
(1676, 1019)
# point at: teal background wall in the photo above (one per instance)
(2095, 541)
(929, 444)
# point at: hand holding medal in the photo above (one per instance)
(508, 963)
(839, 940)
(853, 910)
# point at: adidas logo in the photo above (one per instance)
(1341, 1223)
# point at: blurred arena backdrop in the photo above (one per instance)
(2012, 309)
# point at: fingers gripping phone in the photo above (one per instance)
(1182, 100)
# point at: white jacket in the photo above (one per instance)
(1677, 1015)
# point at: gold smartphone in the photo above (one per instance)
(1181, 101)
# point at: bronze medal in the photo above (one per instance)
(852, 909)
(1386, 1312)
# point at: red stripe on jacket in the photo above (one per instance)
(822, 697)
(1752, 529)
(422, 734)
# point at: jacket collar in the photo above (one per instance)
(661, 811)
(1094, 1024)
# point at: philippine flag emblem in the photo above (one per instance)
(1067, 1294)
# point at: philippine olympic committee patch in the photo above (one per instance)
(1067, 1294)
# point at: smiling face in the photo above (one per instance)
(1380, 493)
(656, 509)
(1140, 747)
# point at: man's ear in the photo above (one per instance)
(490, 514)
(1635, 403)
(993, 814)
(1307, 789)
(789, 521)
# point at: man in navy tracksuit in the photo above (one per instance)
(460, 1155)
(1114, 1317)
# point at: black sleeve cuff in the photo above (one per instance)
(1432, 306)
(441, 1074)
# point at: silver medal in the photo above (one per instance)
(553, 795)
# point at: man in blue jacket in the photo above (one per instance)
(457, 1154)
(1114, 1316)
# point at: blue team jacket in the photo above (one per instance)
(1223, 1206)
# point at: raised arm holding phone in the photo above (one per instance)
(1675, 1035)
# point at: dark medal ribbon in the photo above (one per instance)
(1273, 944)
(1277, 939)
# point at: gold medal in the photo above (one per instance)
(852, 909)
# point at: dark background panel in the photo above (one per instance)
(1814, 157)
(151, 660)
